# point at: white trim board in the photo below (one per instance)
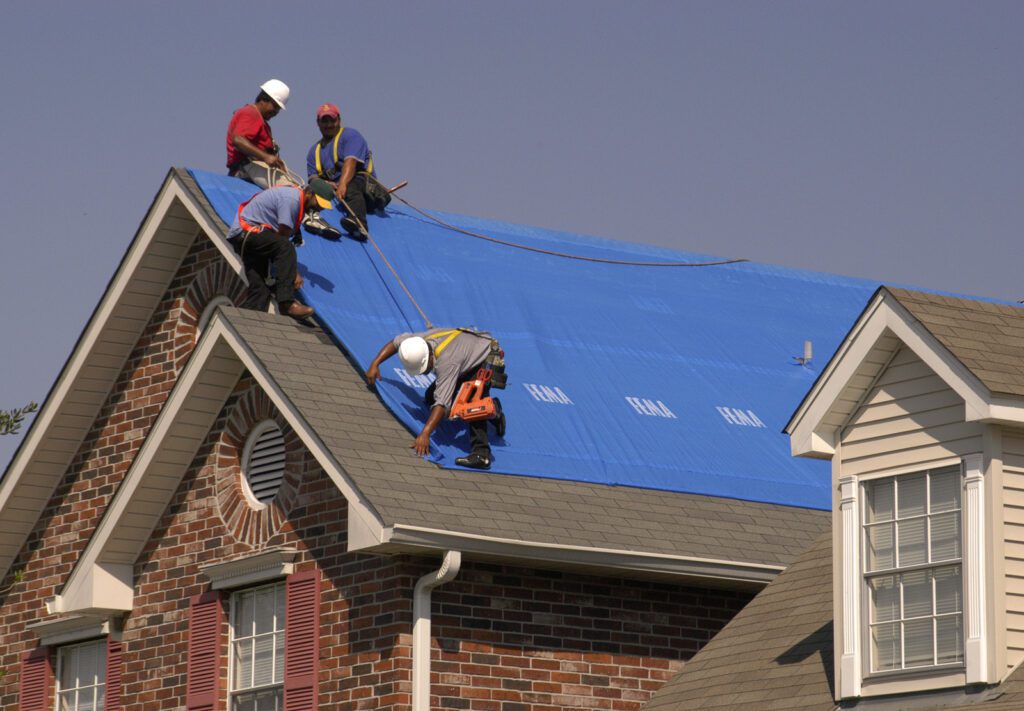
(98, 357)
(102, 576)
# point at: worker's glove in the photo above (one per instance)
(297, 238)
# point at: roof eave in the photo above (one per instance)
(399, 538)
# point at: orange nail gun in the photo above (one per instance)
(471, 404)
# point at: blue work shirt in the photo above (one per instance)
(350, 145)
(273, 207)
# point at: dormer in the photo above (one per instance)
(921, 411)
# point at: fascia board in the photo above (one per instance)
(217, 338)
(813, 395)
(77, 591)
(401, 537)
(10, 484)
(1004, 411)
(806, 437)
(212, 230)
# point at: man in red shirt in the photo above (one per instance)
(252, 153)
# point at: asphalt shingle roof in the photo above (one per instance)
(963, 325)
(372, 447)
(775, 654)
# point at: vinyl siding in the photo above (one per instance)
(909, 417)
(1013, 548)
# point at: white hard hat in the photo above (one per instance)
(276, 90)
(414, 354)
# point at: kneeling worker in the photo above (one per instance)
(454, 355)
(342, 158)
(260, 235)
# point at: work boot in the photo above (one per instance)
(297, 310)
(318, 226)
(351, 226)
(474, 461)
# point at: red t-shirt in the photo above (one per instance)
(248, 122)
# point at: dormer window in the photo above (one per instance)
(912, 570)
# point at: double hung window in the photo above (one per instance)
(82, 676)
(257, 649)
(913, 571)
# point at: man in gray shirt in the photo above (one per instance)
(455, 355)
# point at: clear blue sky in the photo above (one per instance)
(873, 139)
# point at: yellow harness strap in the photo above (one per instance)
(449, 337)
(334, 154)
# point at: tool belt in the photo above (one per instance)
(377, 195)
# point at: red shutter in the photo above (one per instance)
(204, 642)
(36, 685)
(113, 694)
(302, 641)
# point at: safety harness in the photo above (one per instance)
(337, 137)
(250, 229)
(253, 229)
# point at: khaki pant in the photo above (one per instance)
(259, 173)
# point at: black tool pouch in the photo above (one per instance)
(377, 196)
(496, 362)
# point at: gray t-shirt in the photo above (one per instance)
(467, 351)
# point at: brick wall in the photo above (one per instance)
(64, 527)
(516, 639)
(506, 638)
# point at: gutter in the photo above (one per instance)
(402, 538)
(421, 627)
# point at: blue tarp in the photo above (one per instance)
(679, 379)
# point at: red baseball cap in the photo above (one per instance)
(328, 110)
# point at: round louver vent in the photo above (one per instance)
(263, 461)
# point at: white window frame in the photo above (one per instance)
(279, 628)
(851, 618)
(99, 685)
(899, 570)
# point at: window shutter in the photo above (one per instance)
(113, 689)
(302, 641)
(203, 686)
(36, 684)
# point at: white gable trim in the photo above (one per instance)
(102, 577)
(811, 436)
(80, 390)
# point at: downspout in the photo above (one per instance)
(421, 627)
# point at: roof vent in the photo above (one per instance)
(263, 462)
(807, 356)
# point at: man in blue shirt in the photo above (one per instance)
(342, 158)
(260, 235)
